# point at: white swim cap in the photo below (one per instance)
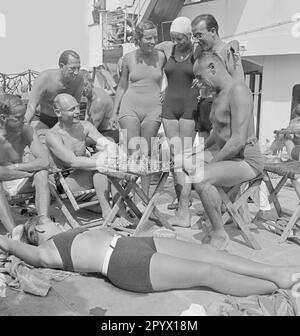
(181, 25)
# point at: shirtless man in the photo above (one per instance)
(99, 107)
(67, 142)
(49, 84)
(16, 175)
(205, 31)
(238, 158)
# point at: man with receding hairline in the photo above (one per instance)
(67, 144)
(49, 84)
(238, 158)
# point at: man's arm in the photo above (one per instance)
(102, 143)
(65, 155)
(122, 87)
(233, 61)
(241, 106)
(210, 141)
(36, 96)
(77, 94)
(41, 161)
(7, 174)
(166, 47)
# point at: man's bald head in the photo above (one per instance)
(209, 68)
(206, 58)
(64, 101)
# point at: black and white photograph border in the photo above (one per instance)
(149, 161)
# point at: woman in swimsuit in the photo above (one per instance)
(146, 264)
(137, 101)
(180, 106)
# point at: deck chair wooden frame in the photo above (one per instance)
(76, 199)
(286, 219)
(238, 209)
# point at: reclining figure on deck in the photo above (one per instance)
(146, 264)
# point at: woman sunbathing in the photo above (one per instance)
(146, 264)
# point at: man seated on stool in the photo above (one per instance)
(20, 172)
(238, 158)
(67, 144)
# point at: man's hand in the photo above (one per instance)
(113, 122)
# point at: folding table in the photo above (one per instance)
(117, 178)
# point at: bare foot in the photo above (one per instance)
(181, 220)
(287, 277)
(206, 233)
(219, 240)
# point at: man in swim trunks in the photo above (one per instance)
(20, 172)
(239, 158)
(99, 108)
(49, 84)
(67, 144)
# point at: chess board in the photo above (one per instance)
(141, 167)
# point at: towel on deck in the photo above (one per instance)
(280, 303)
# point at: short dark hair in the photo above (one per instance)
(64, 57)
(140, 29)
(8, 102)
(30, 223)
(210, 21)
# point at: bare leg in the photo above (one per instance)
(132, 126)
(81, 180)
(168, 272)
(101, 186)
(149, 130)
(222, 174)
(42, 193)
(183, 130)
(5, 213)
(282, 276)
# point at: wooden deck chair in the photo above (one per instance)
(78, 200)
(14, 196)
(237, 209)
(286, 219)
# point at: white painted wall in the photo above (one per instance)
(280, 75)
